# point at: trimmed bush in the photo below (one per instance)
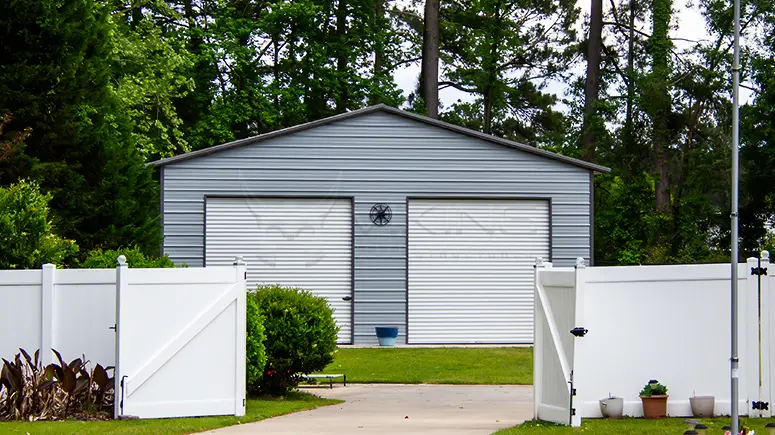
(300, 336)
(254, 346)
(99, 259)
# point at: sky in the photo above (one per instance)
(689, 24)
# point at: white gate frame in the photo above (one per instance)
(127, 383)
(545, 318)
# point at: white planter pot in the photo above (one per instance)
(612, 407)
(702, 406)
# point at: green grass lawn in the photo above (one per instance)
(486, 365)
(257, 409)
(629, 426)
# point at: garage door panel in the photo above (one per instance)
(471, 269)
(304, 243)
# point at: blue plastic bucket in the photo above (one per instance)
(386, 335)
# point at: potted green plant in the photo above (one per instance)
(654, 398)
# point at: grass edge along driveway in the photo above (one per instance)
(440, 365)
(629, 426)
(256, 409)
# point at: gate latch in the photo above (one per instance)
(579, 331)
(763, 406)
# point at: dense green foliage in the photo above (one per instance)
(90, 90)
(99, 259)
(300, 335)
(28, 239)
(55, 79)
(254, 346)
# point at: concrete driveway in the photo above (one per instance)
(405, 409)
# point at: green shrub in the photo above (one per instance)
(254, 346)
(300, 335)
(99, 259)
(28, 238)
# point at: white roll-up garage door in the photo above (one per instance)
(304, 243)
(470, 277)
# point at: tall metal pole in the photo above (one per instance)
(735, 143)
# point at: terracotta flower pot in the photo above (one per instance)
(654, 406)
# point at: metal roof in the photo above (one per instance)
(393, 111)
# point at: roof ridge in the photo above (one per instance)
(388, 109)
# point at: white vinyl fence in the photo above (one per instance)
(670, 323)
(175, 336)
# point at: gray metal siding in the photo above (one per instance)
(377, 157)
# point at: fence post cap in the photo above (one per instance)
(49, 266)
(765, 255)
(539, 261)
(238, 260)
(121, 260)
(580, 262)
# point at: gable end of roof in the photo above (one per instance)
(387, 109)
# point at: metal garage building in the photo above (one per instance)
(397, 219)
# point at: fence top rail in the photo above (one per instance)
(85, 276)
(194, 275)
(657, 273)
(21, 277)
(564, 277)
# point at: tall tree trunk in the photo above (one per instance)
(276, 70)
(630, 75)
(379, 49)
(341, 58)
(430, 59)
(487, 127)
(592, 87)
(660, 100)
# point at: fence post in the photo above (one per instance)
(240, 394)
(578, 343)
(121, 285)
(748, 312)
(538, 336)
(47, 320)
(767, 332)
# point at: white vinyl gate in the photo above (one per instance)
(556, 315)
(293, 242)
(180, 347)
(666, 322)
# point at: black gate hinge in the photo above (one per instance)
(762, 406)
(573, 392)
(761, 271)
(573, 411)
